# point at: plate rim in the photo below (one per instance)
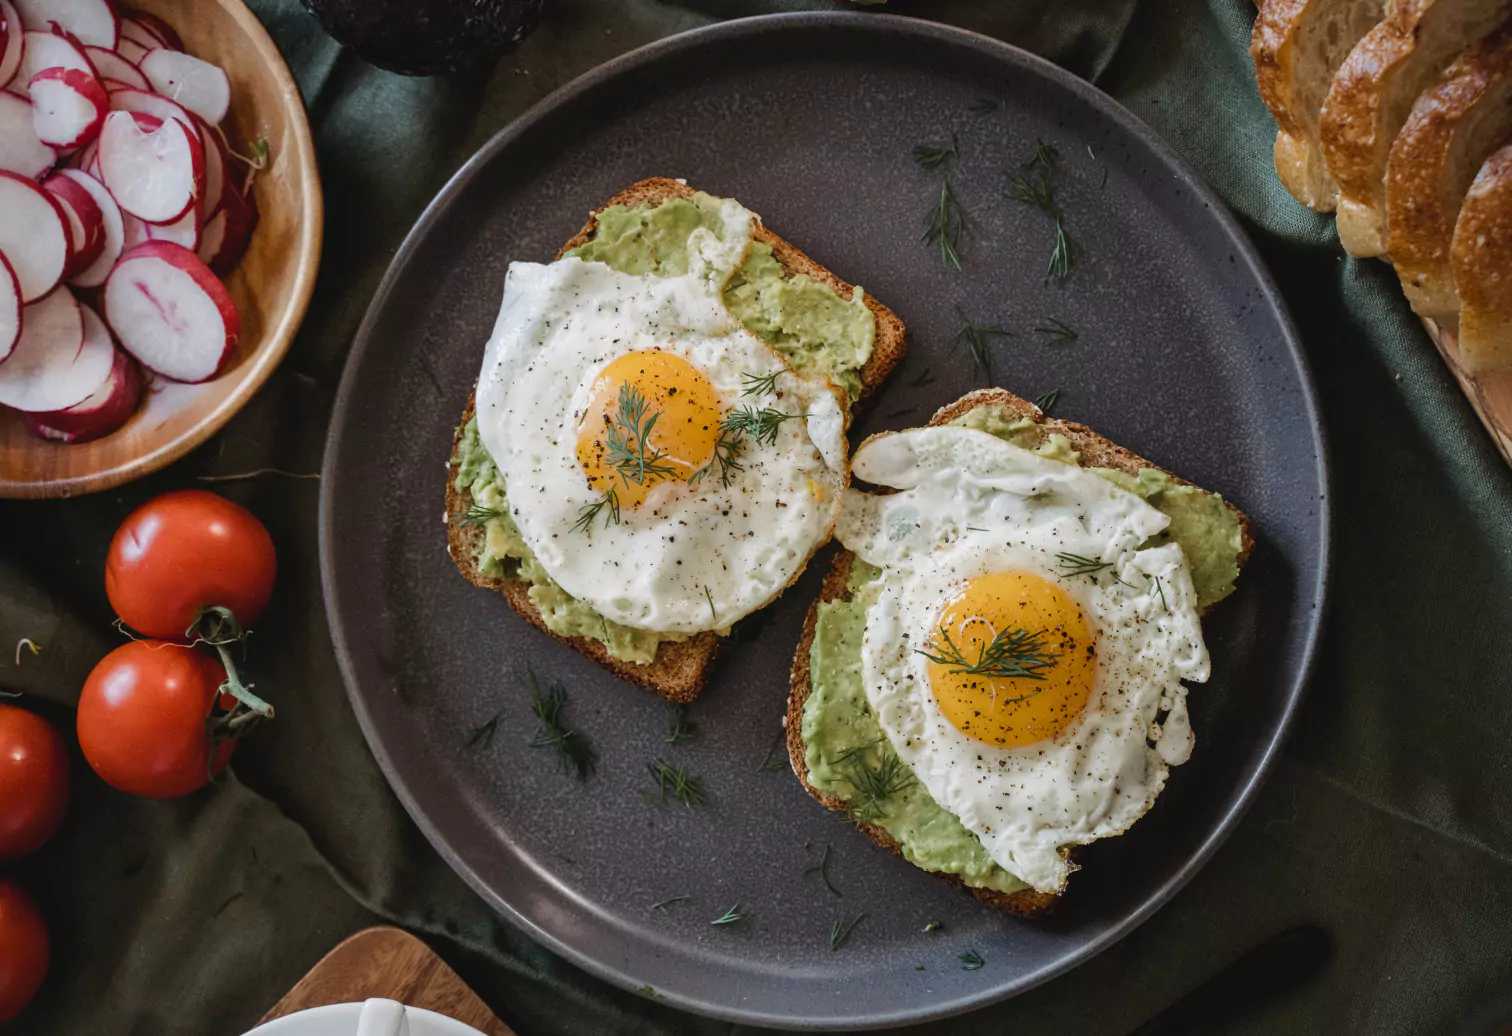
(1106, 106)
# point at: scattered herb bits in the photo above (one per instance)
(822, 867)
(971, 960)
(1047, 401)
(1057, 331)
(677, 782)
(840, 931)
(679, 726)
(730, 916)
(931, 156)
(1031, 185)
(945, 223)
(482, 735)
(976, 340)
(662, 904)
(573, 753)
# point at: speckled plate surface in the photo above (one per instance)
(1184, 354)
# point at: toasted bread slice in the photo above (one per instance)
(679, 670)
(1297, 46)
(1453, 128)
(1481, 252)
(1096, 452)
(1374, 91)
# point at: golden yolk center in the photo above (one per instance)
(1011, 659)
(652, 417)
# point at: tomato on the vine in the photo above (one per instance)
(184, 551)
(23, 950)
(145, 715)
(33, 781)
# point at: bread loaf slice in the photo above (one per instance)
(680, 669)
(1297, 46)
(1096, 451)
(1453, 128)
(1481, 254)
(1374, 91)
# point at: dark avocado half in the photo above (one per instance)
(427, 37)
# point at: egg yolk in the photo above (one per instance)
(1011, 660)
(651, 417)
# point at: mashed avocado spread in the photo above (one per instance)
(815, 330)
(837, 720)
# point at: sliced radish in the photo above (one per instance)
(136, 232)
(182, 231)
(130, 99)
(33, 236)
(198, 85)
(217, 167)
(20, 150)
(49, 50)
(10, 308)
(111, 66)
(156, 27)
(12, 42)
(86, 221)
(238, 216)
(93, 21)
(68, 107)
(212, 240)
(56, 364)
(131, 50)
(107, 408)
(155, 169)
(114, 230)
(171, 313)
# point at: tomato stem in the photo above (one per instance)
(217, 627)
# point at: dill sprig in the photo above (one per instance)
(761, 425)
(664, 903)
(730, 916)
(478, 515)
(822, 866)
(841, 929)
(629, 439)
(574, 754)
(768, 763)
(983, 106)
(482, 735)
(589, 512)
(971, 960)
(1077, 565)
(1011, 654)
(1061, 255)
(1031, 185)
(874, 781)
(713, 612)
(1048, 400)
(1045, 155)
(726, 458)
(679, 726)
(973, 338)
(932, 155)
(945, 222)
(1161, 591)
(753, 384)
(1033, 188)
(683, 786)
(1057, 330)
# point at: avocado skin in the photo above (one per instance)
(427, 37)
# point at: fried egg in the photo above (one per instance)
(663, 464)
(1023, 655)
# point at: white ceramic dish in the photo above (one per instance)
(342, 1019)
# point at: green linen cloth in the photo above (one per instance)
(1389, 821)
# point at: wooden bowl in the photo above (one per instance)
(271, 285)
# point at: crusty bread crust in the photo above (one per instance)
(681, 669)
(1096, 451)
(1454, 126)
(1482, 255)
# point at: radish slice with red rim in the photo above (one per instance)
(183, 231)
(46, 50)
(239, 219)
(155, 169)
(86, 221)
(111, 67)
(217, 167)
(92, 21)
(60, 361)
(130, 99)
(114, 226)
(10, 308)
(156, 27)
(171, 313)
(132, 51)
(107, 408)
(33, 235)
(20, 150)
(198, 85)
(12, 42)
(68, 107)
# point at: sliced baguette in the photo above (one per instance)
(1481, 253)
(1453, 128)
(679, 670)
(1297, 46)
(1096, 451)
(1374, 91)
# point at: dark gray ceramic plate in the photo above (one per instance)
(1185, 354)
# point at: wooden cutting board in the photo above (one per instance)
(389, 963)
(1490, 394)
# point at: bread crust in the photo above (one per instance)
(1453, 128)
(1097, 452)
(680, 670)
(1481, 253)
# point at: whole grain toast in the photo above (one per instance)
(679, 670)
(1096, 451)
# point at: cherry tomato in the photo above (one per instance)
(33, 781)
(23, 950)
(183, 551)
(142, 719)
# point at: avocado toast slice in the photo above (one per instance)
(1034, 430)
(679, 668)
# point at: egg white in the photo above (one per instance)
(691, 558)
(971, 505)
